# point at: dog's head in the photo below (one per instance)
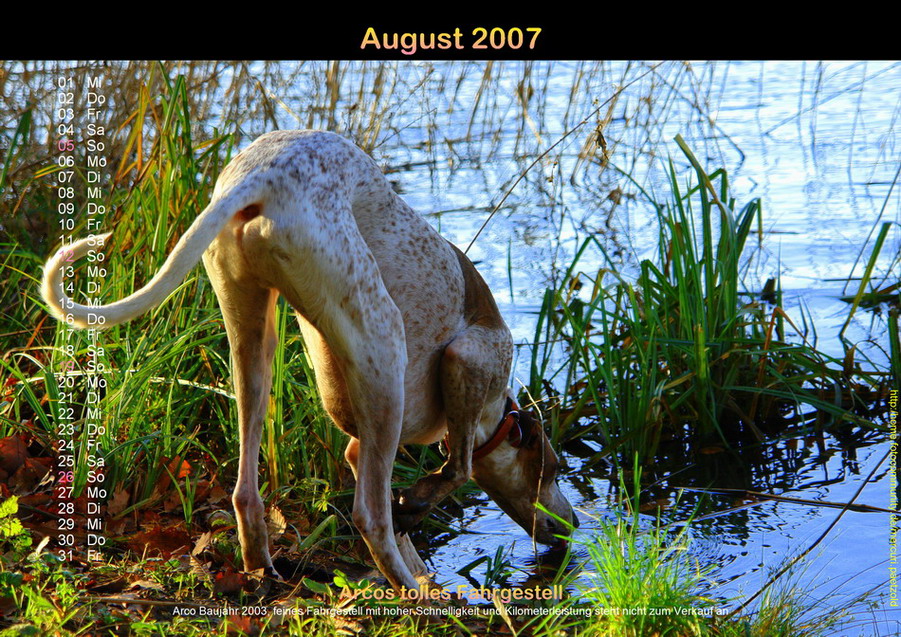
(521, 471)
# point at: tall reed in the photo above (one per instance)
(684, 350)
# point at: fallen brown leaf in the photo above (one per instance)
(168, 541)
(13, 453)
(229, 582)
(28, 475)
(118, 502)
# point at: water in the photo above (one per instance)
(818, 143)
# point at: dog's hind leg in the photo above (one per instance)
(248, 309)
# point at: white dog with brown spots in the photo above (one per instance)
(406, 340)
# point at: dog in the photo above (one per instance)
(407, 343)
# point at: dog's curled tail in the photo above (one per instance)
(181, 260)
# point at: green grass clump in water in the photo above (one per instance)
(647, 582)
(645, 578)
(682, 349)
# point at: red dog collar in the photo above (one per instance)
(508, 427)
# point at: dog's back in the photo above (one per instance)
(327, 219)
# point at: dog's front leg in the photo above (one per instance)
(364, 331)
(405, 546)
(377, 410)
(470, 372)
(379, 425)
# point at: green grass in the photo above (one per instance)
(167, 372)
(642, 563)
(170, 434)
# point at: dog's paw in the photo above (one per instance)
(406, 523)
(409, 504)
(408, 511)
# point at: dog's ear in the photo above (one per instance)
(528, 428)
